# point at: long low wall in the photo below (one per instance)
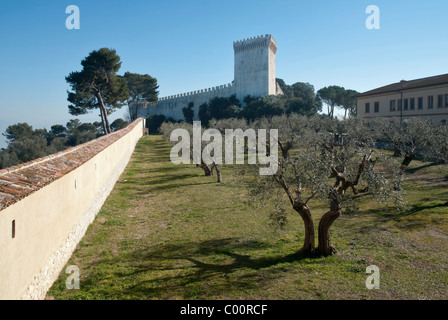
(47, 205)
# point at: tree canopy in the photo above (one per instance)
(299, 98)
(26, 144)
(141, 87)
(348, 102)
(219, 108)
(188, 113)
(19, 131)
(332, 96)
(118, 124)
(97, 86)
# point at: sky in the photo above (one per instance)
(188, 45)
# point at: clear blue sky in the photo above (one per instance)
(187, 45)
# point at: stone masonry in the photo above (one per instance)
(254, 60)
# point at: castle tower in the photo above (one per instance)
(255, 66)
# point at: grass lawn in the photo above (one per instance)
(168, 232)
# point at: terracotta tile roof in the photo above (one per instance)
(24, 179)
(404, 85)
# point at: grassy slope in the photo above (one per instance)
(168, 232)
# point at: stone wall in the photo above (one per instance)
(254, 68)
(47, 204)
(172, 106)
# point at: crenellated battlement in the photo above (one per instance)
(254, 75)
(266, 36)
(261, 41)
(196, 92)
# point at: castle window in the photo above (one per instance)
(393, 104)
(420, 102)
(430, 102)
(376, 107)
(440, 101)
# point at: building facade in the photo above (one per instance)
(254, 75)
(426, 97)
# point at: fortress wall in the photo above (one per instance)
(52, 201)
(172, 106)
(254, 74)
(272, 81)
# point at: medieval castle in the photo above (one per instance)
(254, 76)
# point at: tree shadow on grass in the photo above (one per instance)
(406, 220)
(157, 180)
(220, 267)
(414, 170)
(152, 151)
(417, 208)
(157, 186)
(173, 185)
(412, 210)
(161, 175)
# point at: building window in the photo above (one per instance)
(400, 102)
(406, 104)
(412, 106)
(430, 102)
(392, 105)
(440, 101)
(376, 107)
(367, 107)
(420, 102)
(446, 100)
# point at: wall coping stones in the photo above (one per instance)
(20, 181)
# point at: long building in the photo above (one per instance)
(425, 97)
(254, 75)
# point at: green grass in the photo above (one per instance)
(168, 232)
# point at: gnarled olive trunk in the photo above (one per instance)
(407, 160)
(404, 165)
(308, 247)
(218, 172)
(324, 247)
(208, 171)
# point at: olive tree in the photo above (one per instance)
(324, 159)
(167, 129)
(411, 139)
(439, 142)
